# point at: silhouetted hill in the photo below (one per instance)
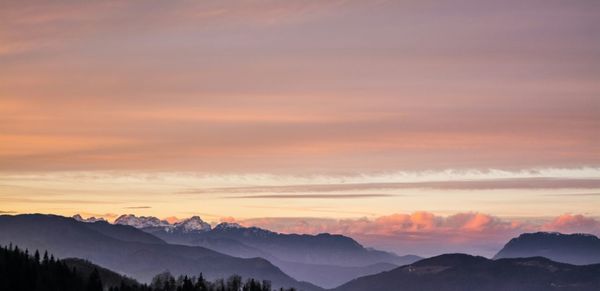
(66, 237)
(578, 249)
(459, 272)
(330, 276)
(326, 276)
(108, 277)
(323, 248)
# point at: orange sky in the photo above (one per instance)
(97, 98)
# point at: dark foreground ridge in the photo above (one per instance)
(453, 272)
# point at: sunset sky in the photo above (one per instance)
(401, 123)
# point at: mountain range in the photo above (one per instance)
(325, 260)
(322, 248)
(192, 246)
(331, 260)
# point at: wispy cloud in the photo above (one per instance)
(311, 196)
(515, 183)
(314, 210)
(137, 207)
(424, 97)
(281, 110)
(575, 194)
(55, 201)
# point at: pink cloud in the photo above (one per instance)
(574, 223)
(417, 222)
(426, 233)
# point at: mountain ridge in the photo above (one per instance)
(576, 248)
(303, 256)
(451, 272)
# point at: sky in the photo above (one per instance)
(400, 123)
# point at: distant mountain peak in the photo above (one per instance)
(577, 248)
(89, 219)
(193, 224)
(141, 221)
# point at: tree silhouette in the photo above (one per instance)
(94, 283)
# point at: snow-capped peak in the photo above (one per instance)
(192, 224)
(89, 219)
(141, 222)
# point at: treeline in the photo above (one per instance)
(166, 282)
(23, 271)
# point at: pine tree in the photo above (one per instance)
(201, 284)
(36, 256)
(94, 283)
(45, 259)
